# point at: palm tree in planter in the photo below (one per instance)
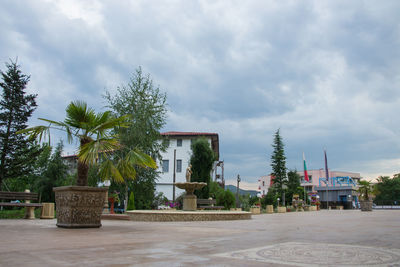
(365, 190)
(81, 206)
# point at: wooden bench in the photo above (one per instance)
(208, 204)
(27, 196)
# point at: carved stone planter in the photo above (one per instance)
(366, 205)
(79, 206)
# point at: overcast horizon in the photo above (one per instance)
(326, 73)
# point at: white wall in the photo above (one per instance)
(184, 152)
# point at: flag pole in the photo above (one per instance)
(327, 179)
(305, 177)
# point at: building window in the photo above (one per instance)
(178, 165)
(165, 165)
(178, 142)
(309, 179)
(166, 142)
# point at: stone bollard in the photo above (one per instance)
(29, 211)
(47, 211)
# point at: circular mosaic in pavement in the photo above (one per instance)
(320, 254)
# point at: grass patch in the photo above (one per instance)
(17, 213)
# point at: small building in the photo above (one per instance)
(341, 191)
(179, 151)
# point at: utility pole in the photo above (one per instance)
(237, 191)
(174, 177)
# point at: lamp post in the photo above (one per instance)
(237, 191)
(106, 183)
(350, 200)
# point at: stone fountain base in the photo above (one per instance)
(179, 215)
(190, 202)
(190, 199)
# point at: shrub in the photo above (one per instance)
(131, 202)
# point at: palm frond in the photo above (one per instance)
(126, 169)
(89, 153)
(108, 123)
(36, 133)
(107, 170)
(136, 157)
(79, 115)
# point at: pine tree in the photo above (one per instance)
(15, 109)
(278, 164)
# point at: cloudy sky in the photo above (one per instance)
(326, 73)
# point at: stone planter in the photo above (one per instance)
(281, 209)
(79, 206)
(313, 208)
(270, 209)
(255, 210)
(47, 211)
(366, 205)
(235, 209)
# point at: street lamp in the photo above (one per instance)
(237, 191)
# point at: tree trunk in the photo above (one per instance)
(83, 168)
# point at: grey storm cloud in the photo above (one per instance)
(325, 72)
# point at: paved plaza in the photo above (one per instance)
(324, 238)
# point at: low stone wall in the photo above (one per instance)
(173, 216)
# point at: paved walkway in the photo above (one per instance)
(325, 238)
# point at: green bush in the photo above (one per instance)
(17, 213)
(226, 199)
(131, 202)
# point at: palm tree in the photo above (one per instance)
(365, 189)
(94, 133)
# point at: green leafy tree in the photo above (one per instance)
(16, 153)
(269, 199)
(278, 164)
(202, 160)
(146, 107)
(96, 142)
(50, 172)
(387, 190)
(227, 199)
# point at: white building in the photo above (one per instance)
(179, 148)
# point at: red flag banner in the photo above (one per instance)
(305, 169)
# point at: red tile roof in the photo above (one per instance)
(188, 133)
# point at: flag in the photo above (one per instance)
(305, 169)
(326, 169)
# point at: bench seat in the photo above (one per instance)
(212, 207)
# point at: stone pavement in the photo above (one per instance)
(324, 238)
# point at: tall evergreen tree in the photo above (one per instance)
(278, 164)
(202, 160)
(146, 106)
(16, 155)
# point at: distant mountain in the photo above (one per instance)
(232, 188)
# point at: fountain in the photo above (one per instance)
(190, 199)
(189, 212)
